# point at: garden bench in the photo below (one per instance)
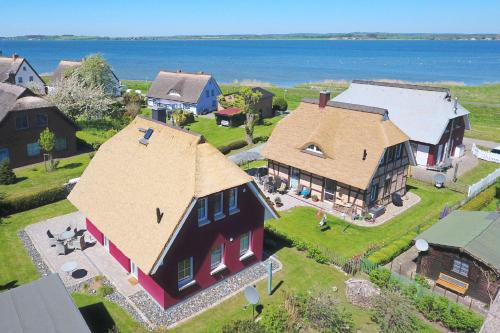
(451, 283)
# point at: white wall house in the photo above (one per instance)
(196, 93)
(17, 70)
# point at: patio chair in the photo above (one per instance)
(79, 243)
(52, 239)
(299, 189)
(306, 192)
(60, 249)
(68, 228)
(282, 188)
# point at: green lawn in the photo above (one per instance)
(143, 86)
(219, 135)
(483, 169)
(34, 178)
(102, 315)
(17, 267)
(347, 240)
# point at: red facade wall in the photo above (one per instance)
(119, 256)
(94, 231)
(457, 136)
(198, 242)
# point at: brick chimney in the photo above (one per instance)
(324, 97)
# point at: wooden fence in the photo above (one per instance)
(485, 155)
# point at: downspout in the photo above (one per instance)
(451, 129)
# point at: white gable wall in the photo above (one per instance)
(27, 77)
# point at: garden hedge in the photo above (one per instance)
(19, 204)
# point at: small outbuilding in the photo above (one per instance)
(41, 306)
(232, 117)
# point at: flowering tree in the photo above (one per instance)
(77, 99)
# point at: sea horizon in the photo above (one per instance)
(280, 62)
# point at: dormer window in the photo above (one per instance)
(314, 149)
(174, 92)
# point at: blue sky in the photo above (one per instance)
(187, 17)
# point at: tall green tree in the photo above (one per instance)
(7, 175)
(247, 98)
(96, 72)
(47, 142)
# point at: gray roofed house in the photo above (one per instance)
(426, 114)
(195, 92)
(17, 70)
(41, 306)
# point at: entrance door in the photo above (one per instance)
(106, 243)
(329, 193)
(422, 154)
(294, 179)
(134, 271)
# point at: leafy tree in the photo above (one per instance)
(7, 175)
(280, 104)
(77, 99)
(95, 72)
(182, 118)
(246, 101)
(275, 319)
(243, 326)
(133, 102)
(394, 312)
(47, 142)
(324, 315)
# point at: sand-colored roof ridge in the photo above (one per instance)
(181, 72)
(173, 169)
(343, 134)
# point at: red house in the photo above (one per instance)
(173, 211)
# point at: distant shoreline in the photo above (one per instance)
(298, 36)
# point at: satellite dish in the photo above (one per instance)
(421, 245)
(252, 295)
(439, 179)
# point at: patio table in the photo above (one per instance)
(67, 235)
(69, 267)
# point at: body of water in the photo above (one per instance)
(281, 62)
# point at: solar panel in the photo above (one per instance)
(148, 133)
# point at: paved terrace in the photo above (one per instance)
(92, 261)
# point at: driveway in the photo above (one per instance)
(251, 154)
(484, 143)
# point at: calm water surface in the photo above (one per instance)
(281, 62)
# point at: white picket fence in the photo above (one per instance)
(485, 155)
(476, 188)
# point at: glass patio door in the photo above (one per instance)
(329, 190)
(134, 270)
(294, 179)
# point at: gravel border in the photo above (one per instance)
(204, 299)
(116, 297)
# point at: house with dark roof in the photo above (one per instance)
(17, 70)
(40, 306)
(350, 155)
(464, 253)
(434, 121)
(23, 116)
(65, 65)
(179, 217)
(193, 92)
(264, 105)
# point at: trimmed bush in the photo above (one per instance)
(7, 175)
(280, 104)
(232, 146)
(183, 118)
(380, 277)
(105, 290)
(317, 255)
(391, 251)
(35, 200)
(482, 199)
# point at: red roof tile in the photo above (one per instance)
(228, 112)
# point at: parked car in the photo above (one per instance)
(496, 150)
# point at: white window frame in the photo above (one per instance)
(105, 243)
(314, 149)
(219, 265)
(460, 267)
(219, 210)
(134, 270)
(202, 218)
(233, 201)
(186, 280)
(247, 252)
(373, 192)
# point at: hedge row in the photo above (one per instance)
(232, 146)
(391, 251)
(30, 201)
(483, 198)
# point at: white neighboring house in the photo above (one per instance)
(17, 70)
(434, 121)
(194, 92)
(64, 65)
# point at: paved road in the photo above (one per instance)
(484, 143)
(251, 154)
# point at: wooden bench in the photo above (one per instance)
(451, 283)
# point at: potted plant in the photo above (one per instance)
(314, 198)
(277, 202)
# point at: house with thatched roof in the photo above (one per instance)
(65, 66)
(171, 209)
(434, 121)
(193, 92)
(17, 70)
(350, 155)
(23, 116)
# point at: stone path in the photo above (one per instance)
(205, 299)
(248, 155)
